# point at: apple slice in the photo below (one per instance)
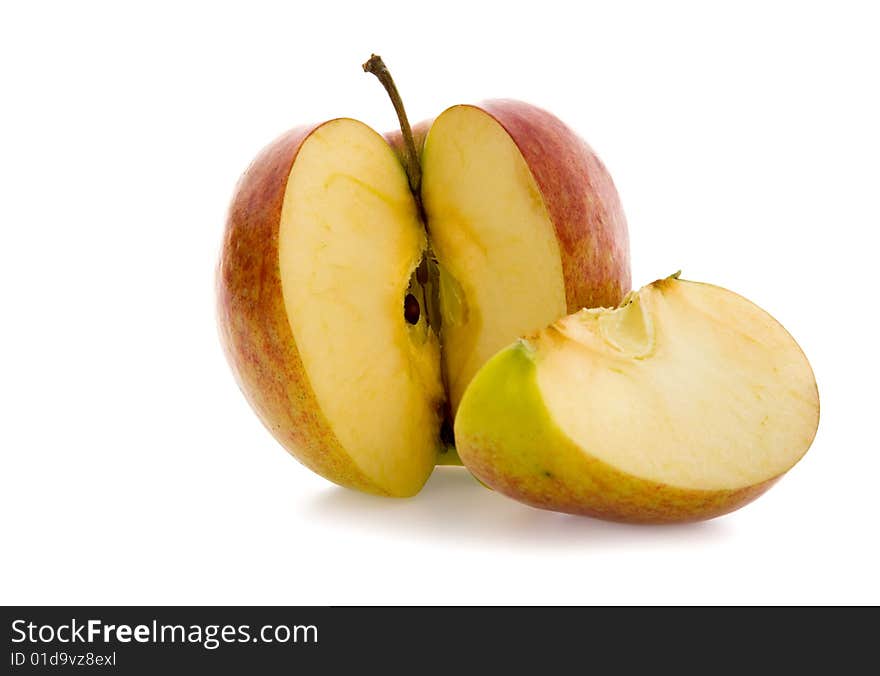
(322, 241)
(684, 403)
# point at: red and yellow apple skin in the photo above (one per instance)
(508, 440)
(580, 198)
(254, 328)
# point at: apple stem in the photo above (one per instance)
(413, 168)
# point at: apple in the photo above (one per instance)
(685, 402)
(364, 280)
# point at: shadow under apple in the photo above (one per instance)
(454, 508)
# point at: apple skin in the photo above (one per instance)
(511, 445)
(578, 193)
(253, 324)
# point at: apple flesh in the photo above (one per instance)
(350, 356)
(684, 403)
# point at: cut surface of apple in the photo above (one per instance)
(684, 403)
(349, 241)
(354, 320)
(493, 239)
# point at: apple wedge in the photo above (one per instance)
(684, 403)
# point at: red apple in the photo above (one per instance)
(355, 311)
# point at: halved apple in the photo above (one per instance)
(353, 327)
(684, 403)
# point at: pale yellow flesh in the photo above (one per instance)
(493, 237)
(690, 385)
(349, 240)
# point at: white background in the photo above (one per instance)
(745, 143)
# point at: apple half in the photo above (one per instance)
(354, 312)
(685, 402)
